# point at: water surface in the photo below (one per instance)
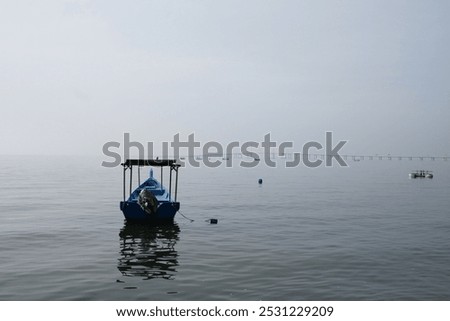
(366, 232)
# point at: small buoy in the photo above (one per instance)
(260, 181)
(213, 221)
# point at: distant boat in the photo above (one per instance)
(421, 174)
(150, 201)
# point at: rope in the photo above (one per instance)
(178, 211)
(191, 220)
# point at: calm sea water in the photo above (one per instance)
(366, 232)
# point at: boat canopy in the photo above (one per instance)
(150, 162)
(129, 163)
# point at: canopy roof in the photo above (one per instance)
(150, 162)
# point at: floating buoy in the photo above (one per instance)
(260, 181)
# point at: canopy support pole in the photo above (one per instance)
(131, 178)
(170, 183)
(176, 184)
(124, 183)
(139, 175)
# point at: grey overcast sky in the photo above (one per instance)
(76, 74)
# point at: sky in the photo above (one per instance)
(77, 74)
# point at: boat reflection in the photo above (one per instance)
(148, 251)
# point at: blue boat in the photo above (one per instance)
(150, 201)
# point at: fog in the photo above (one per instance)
(77, 74)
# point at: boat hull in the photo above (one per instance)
(165, 213)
